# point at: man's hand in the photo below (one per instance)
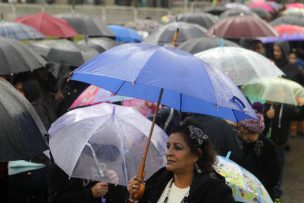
(100, 189)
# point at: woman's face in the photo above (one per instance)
(248, 136)
(292, 58)
(179, 156)
(277, 53)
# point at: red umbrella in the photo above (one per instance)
(295, 5)
(48, 25)
(285, 30)
(242, 27)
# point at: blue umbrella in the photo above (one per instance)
(290, 38)
(189, 84)
(124, 34)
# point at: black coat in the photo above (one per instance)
(205, 188)
(262, 160)
(74, 190)
(280, 126)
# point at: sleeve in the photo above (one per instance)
(65, 190)
(219, 193)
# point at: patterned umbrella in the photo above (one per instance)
(18, 31)
(296, 12)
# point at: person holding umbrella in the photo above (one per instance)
(188, 175)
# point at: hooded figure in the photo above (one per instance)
(280, 54)
(260, 155)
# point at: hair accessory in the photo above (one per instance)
(197, 134)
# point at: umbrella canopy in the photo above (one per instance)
(86, 25)
(48, 25)
(276, 90)
(295, 5)
(242, 27)
(87, 142)
(265, 15)
(59, 51)
(18, 31)
(239, 64)
(245, 186)
(100, 44)
(188, 84)
(296, 12)
(289, 30)
(205, 20)
(291, 20)
(237, 12)
(285, 38)
(196, 45)
(17, 58)
(215, 10)
(165, 34)
(235, 5)
(94, 95)
(146, 25)
(124, 34)
(21, 132)
(262, 5)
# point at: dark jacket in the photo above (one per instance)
(74, 190)
(262, 160)
(222, 135)
(205, 188)
(278, 127)
(294, 72)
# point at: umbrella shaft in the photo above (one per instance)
(140, 173)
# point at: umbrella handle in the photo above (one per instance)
(175, 37)
(236, 100)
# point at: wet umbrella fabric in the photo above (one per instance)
(291, 20)
(196, 45)
(242, 27)
(85, 25)
(165, 33)
(262, 13)
(48, 25)
(100, 44)
(215, 10)
(18, 31)
(237, 12)
(22, 131)
(124, 34)
(189, 84)
(205, 20)
(64, 51)
(17, 58)
(295, 12)
(86, 142)
(239, 64)
(145, 25)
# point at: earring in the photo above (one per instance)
(198, 170)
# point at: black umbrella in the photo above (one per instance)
(86, 25)
(215, 10)
(237, 12)
(164, 35)
(292, 20)
(262, 13)
(196, 45)
(64, 51)
(100, 44)
(22, 131)
(205, 20)
(17, 58)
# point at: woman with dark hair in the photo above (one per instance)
(188, 175)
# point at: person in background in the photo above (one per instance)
(294, 59)
(188, 175)
(280, 54)
(260, 155)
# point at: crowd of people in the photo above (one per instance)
(258, 145)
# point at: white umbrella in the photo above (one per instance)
(87, 142)
(241, 65)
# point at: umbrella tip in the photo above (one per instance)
(228, 155)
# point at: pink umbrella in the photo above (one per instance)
(287, 30)
(261, 4)
(95, 95)
(144, 107)
(295, 5)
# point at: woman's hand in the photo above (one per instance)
(112, 175)
(134, 185)
(100, 189)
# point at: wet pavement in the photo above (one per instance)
(293, 181)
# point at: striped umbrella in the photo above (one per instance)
(18, 31)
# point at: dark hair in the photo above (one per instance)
(205, 151)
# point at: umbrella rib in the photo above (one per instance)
(119, 88)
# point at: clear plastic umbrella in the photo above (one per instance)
(88, 142)
(239, 64)
(276, 90)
